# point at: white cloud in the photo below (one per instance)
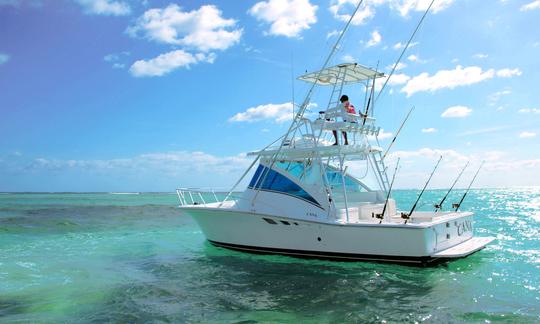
(527, 135)
(384, 135)
(279, 113)
(399, 45)
(500, 168)
(531, 6)
(415, 58)
(399, 66)
(168, 62)
(179, 164)
(3, 58)
(348, 58)
(399, 78)
(529, 110)
(429, 130)
(105, 7)
(406, 6)
(507, 73)
(203, 29)
(494, 97)
(375, 39)
(454, 78)
(115, 59)
(456, 112)
(480, 56)
(342, 9)
(332, 33)
(447, 79)
(286, 17)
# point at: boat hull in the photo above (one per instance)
(396, 243)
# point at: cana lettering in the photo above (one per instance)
(464, 227)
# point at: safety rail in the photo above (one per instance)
(195, 196)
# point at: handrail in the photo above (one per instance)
(196, 197)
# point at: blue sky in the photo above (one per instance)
(119, 95)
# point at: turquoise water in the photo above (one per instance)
(133, 258)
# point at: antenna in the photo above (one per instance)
(381, 215)
(406, 216)
(456, 206)
(397, 133)
(292, 80)
(439, 205)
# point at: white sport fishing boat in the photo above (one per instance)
(303, 199)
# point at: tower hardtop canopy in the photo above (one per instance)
(354, 73)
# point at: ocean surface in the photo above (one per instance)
(103, 257)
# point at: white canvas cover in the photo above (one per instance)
(354, 73)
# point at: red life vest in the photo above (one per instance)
(349, 107)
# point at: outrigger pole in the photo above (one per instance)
(407, 216)
(381, 215)
(397, 133)
(404, 49)
(456, 206)
(305, 103)
(439, 205)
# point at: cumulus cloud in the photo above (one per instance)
(456, 112)
(399, 45)
(348, 58)
(286, 17)
(407, 6)
(429, 130)
(278, 113)
(507, 73)
(3, 58)
(527, 135)
(168, 62)
(169, 163)
(415, 58)
(375, 39)
(453, 78)
(480, 56)
(399, 66)
(342, 9)
(500, 168)
(530, 6)
(116, 59)
(203, 29)
(105, 7)
(529, 110)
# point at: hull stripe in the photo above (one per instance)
(424, 260)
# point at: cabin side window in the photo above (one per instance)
(270, 180)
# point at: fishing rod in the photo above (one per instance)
(439, 205)
(406, 216)
(371, 95)
(397, 133)
(456, 206)
(381, 215)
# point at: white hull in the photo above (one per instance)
(388, 242)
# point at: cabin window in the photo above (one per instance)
(275, 181)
